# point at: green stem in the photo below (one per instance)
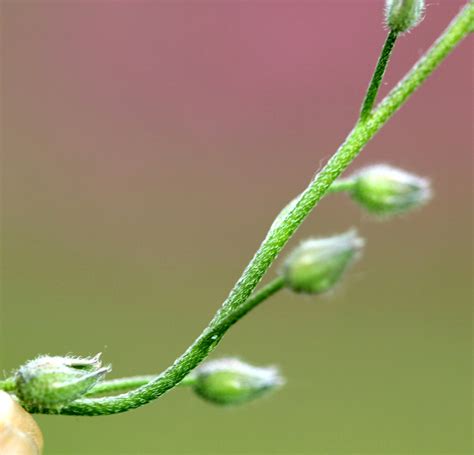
(121, 385)
(342, 185)
(237, 304)
(379, 72)
(203, 345)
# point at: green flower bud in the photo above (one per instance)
(403, 15)
(318, 264)
(52, 382)
(385, 190)
(230, 381)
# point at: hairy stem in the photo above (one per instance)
(169, 378)
(379, 72)
(238, 303)
(121, 385)
(125, 384)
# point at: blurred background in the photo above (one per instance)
(147, 147)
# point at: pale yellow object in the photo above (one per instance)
(19, 433)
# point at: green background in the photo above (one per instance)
(146, 149)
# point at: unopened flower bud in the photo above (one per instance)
(385, 190)
(318, 264)
(52, 382)
(230, 381)
(19, 433)
(403, 15)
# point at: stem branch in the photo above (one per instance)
(121, 385)
(341, 185)
(171, 377)
(379, 72)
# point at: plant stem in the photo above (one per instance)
(121, 385)
(379, 72)
(238, 303)
(125, 384)
(341, 185)
(133, 382)
(204, 344)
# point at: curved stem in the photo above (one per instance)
(174, 374)
(237, 303)
(379, 72)
(121, 385)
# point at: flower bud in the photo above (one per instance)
(403, 15)
(385, 190)
(19, 433)
(318, 264)
(52, 382)
(230, 381)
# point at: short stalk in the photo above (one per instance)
(122, 385)
(342, 185)
(377, 78)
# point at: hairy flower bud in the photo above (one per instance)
(385, 190)
(403, 15)
(318, 264)
(230, 381)
(19, 433)
(52, 382)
